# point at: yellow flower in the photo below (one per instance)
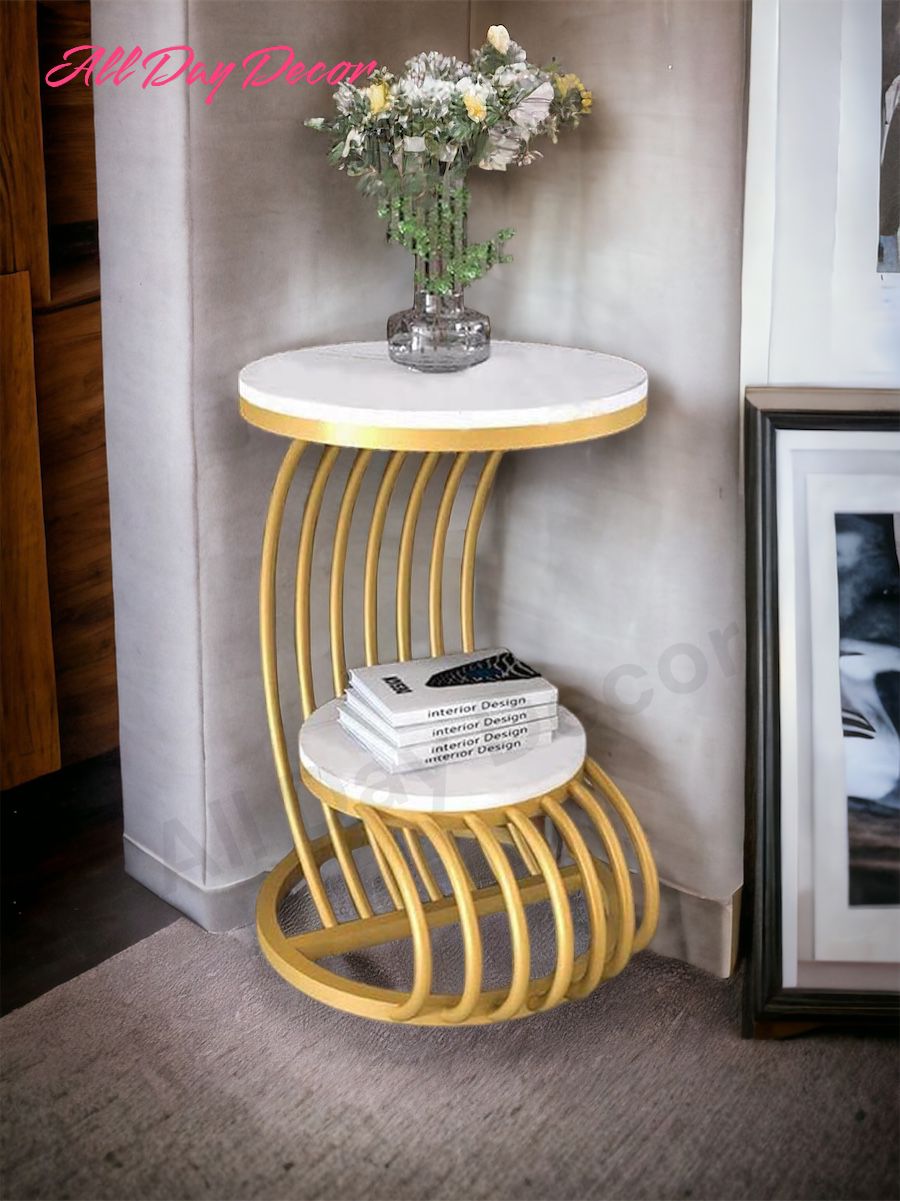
(498, 36)
(565, 83)
(378, 97)
(571, 83)
(475, 106)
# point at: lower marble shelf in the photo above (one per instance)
(334, 759)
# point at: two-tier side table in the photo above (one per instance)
(417, 829)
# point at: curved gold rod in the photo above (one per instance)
(621, 879)
(593, 896)
(338, 565)
(467, 572)
(422, 956)
(414, 845)
(612, 906)
(348, 866)
(385, 868)
(405, 555)
(304, 569)
(267, 626)
(468, 920)
(438, 545)
(373, 551)
(515, 910)
(646, 863)
(531, 864)
(562, 913)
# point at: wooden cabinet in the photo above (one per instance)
(58, 678)
(27, 675)
(69, 378)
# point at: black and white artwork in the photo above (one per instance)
(868, 549)
(889, 198)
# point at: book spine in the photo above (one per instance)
(460, 754)
(475, 744)
(507, 722)
(388, 752)
(464, 727)
(482, 706)
(478, 706)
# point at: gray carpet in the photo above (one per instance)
(185, 1068)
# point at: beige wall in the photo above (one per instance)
(622, 564)
(596, 558)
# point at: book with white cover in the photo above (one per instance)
(416, 758)
(425, 754)
(453, 727)
(469, 684)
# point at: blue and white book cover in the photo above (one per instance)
(468, 684)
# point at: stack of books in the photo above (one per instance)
(432, 712)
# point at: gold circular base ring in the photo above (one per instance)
(339, 992)
(607, 889)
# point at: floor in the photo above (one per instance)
(65, 901)
(175, 1064)
(185, 1069)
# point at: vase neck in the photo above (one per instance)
(436, 304)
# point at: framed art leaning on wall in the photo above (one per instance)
(823, 752)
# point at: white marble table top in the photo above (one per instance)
(351, 394)
(337, 760)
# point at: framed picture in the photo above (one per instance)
(823, 745)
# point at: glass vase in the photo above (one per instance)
(439, 333)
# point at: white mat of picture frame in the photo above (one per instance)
(841, 932)
(800, 453)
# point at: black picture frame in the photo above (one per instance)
(770, 1010)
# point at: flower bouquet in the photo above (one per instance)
(411, 139)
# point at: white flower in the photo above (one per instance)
(429, 94)
(433, 63)
(530, 112)
(510, 76)
(344, 97)
(498, 36)
(481, 89)
(354, 138)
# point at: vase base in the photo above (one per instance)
(445, 343)
(417, 361)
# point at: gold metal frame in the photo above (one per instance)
(414, 851)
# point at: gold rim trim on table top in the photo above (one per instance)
(511, 437)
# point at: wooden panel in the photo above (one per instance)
(68, 114)
(27, 688)
(73, 281)
(23, 225)
(76, 515)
